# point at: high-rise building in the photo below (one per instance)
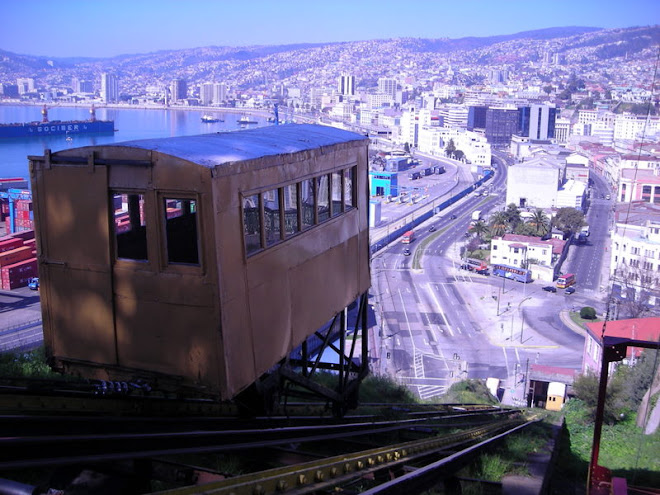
(387, 86)
(346, 85)
(82, 86)
(109, 88)
(501, 124)
(25, 85)
(219, 93)
(178, 90)
(498, 76)
(537, 121)
(206, 94)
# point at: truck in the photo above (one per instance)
(476, 216)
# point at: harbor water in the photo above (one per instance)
(131, 124)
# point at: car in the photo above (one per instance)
(406, 252)
(569, 290)
(550, 288)
(453, 217)
(467, 234)
(432, 229)
(33, 283)
(607, 196)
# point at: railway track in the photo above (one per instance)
(312, 451)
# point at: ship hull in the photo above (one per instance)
(55, 128)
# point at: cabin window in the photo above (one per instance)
(130, 226)
(308, 202)
(349, 188)
(291, 217)
(181, 232)
(335, 189)
(271, 201)
(252, 224)
(323, 197)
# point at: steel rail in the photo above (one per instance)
(33, 451)
(315, 475)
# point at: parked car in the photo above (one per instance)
(406, 252)
(569, 290)
(33, 283)
(550, 288)
(432, 229)
(453, 217)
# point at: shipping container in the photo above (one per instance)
(15, 255)
(9, 244)
(26, 235)
(19, 274)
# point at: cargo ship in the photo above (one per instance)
(57, 127)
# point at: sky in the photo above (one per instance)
(105, 28)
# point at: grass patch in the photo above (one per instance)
(419, 251)
(624, 448)
(575, 316)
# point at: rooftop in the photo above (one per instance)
(211, 150)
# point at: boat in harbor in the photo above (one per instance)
(210, 119)
(244, 120)
(57, 127)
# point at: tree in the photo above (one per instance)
(540, 222)
(512, 213)
(479, 228)
(585, 388)
(451, 147)
(568, 220)
(499, 223)
(588, 313)
(406, 147)
(548, 89)
(458, 155)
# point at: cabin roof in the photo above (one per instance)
(211, 150)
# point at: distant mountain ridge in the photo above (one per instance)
(256, 66)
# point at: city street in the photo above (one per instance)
(440, 324)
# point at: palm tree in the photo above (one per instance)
(498, 223)
(513, 216)
(479, 228)
(540, 222)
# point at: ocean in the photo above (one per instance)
(130, 123)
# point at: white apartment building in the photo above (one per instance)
(206, 93)
(629, 126)
(635, 253)
(434, 139)
(562, 130)
(527, 252)
(220, 92)
(387, 86)
(454, 115)
(379, 100)
(25, 85)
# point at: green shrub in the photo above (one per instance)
(588, 313)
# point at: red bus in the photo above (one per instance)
(408, 237)
(476, 265)
(565, 280)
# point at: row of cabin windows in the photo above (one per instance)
(179, 218)
(273, 216)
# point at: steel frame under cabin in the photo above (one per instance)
(232, 310)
